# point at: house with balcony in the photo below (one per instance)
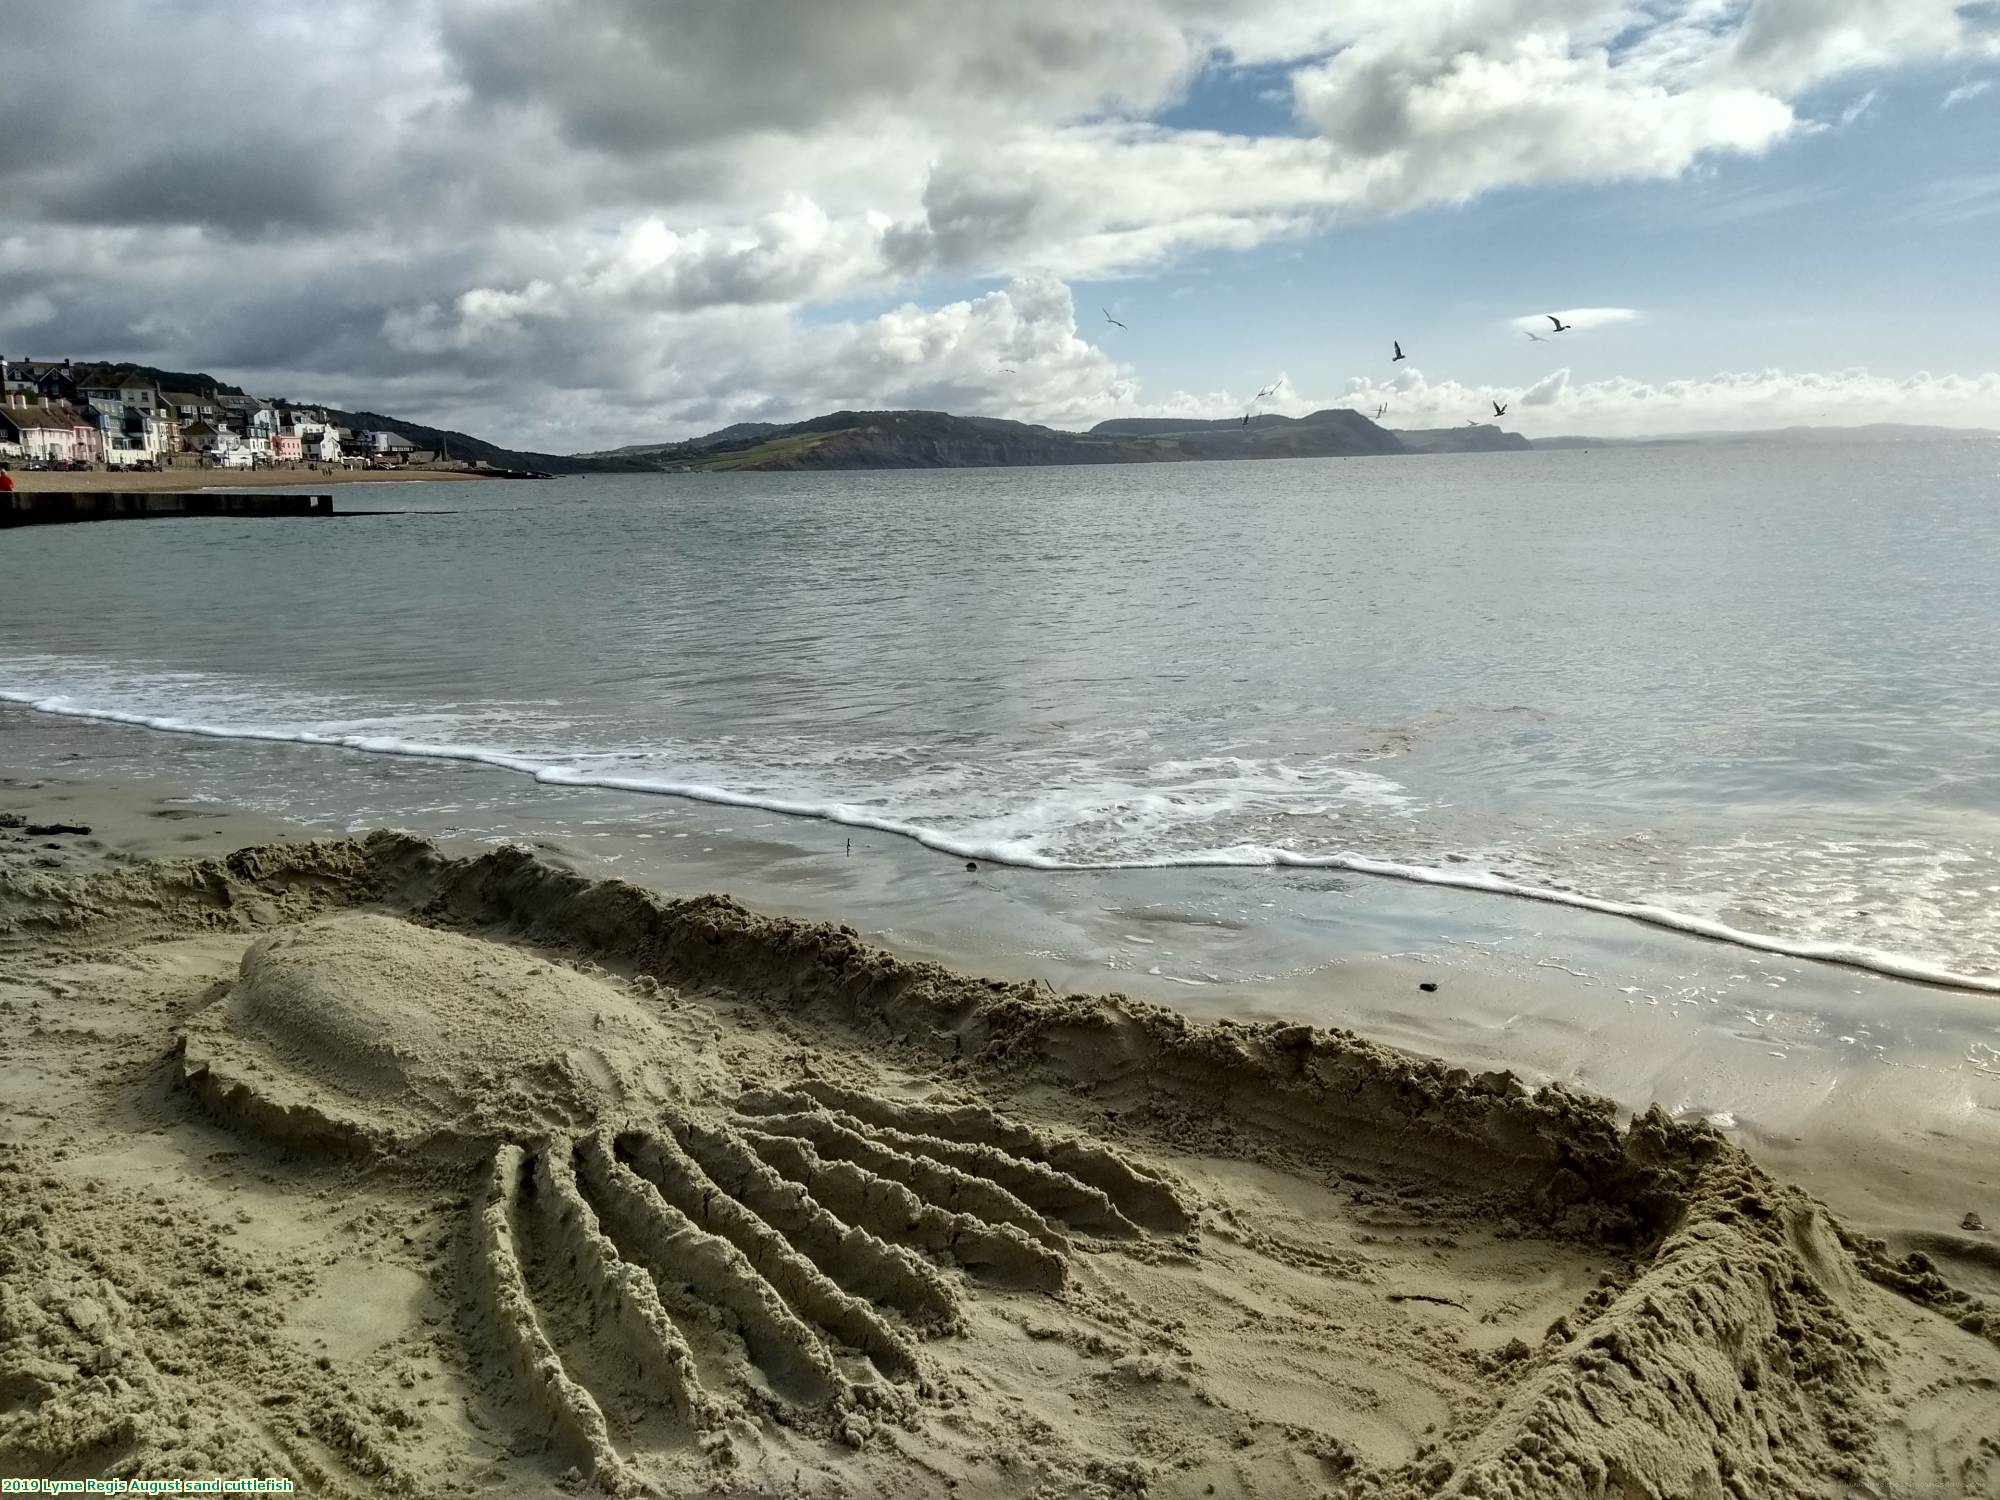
(204, 436)
(321, 444)
(131, 417)
(384, 446)
(188, 408)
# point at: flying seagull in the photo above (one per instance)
(1499, 410)
(1113, 321)
(1399, 352)
(1269, 389)
(1382, 411)
(1561, 326)
(1533, 337)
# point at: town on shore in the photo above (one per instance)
(56, 414)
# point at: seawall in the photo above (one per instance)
(54, 507)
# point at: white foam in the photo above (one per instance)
(1014, 852)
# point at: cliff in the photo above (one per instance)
(1482, 437)
(940, 440)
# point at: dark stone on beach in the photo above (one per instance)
(1429, 987)
(43, 830)
(1973, 1222)
(972, 864)
(12, 820)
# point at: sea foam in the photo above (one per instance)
(1014, 853)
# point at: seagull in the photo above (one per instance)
(1008, 370)
(1499, 410)
(1561, 326)
(1269, 389)
(1246, 419)
(1381, 411)
(1533, 337)
(1399, 352)
(1113, 321)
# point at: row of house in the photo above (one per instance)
(59, 412)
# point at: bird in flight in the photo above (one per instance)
(1269, 389)
(1007, 370)
(1382, 411)
(1399, 352)
(1561, 326)
(1499, 410)
(1113, 321)
(1534, 337)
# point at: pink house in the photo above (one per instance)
(286, 447)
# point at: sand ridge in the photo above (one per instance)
(688, 1200)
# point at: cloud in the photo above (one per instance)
(1581, 319)
(1859, 107)
(1965, 93)
(578, 208)
(1732, 401)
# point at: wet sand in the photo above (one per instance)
(394, 1172)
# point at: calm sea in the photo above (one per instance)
(1743, 688)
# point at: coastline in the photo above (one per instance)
(182, 477)
(1879, 1096)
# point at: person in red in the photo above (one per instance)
(6, 481)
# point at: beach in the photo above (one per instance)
(273, 1218)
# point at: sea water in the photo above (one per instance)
(1747, 690)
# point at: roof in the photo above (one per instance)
(106, 375)
(187, 398)
(40, 416)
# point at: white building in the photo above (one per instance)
(386, 444)
(36, 431)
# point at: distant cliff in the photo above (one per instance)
(939, 440)
(1482, 437)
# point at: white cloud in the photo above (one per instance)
(1582, 319)
(498, 206)
(1738, 401)
(1965, 93)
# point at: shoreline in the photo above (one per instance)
(1873, 1093)
(1842, 955)
(176, 478)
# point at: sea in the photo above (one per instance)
(1748, 692)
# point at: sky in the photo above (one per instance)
(565, 225)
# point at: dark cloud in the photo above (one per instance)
(238, 190)
(583, 209)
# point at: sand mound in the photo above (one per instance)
(365, 1028)
(707, 1202)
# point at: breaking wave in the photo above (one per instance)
(1021, 854)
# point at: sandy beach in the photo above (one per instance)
(392, 1172)
(191, 477)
